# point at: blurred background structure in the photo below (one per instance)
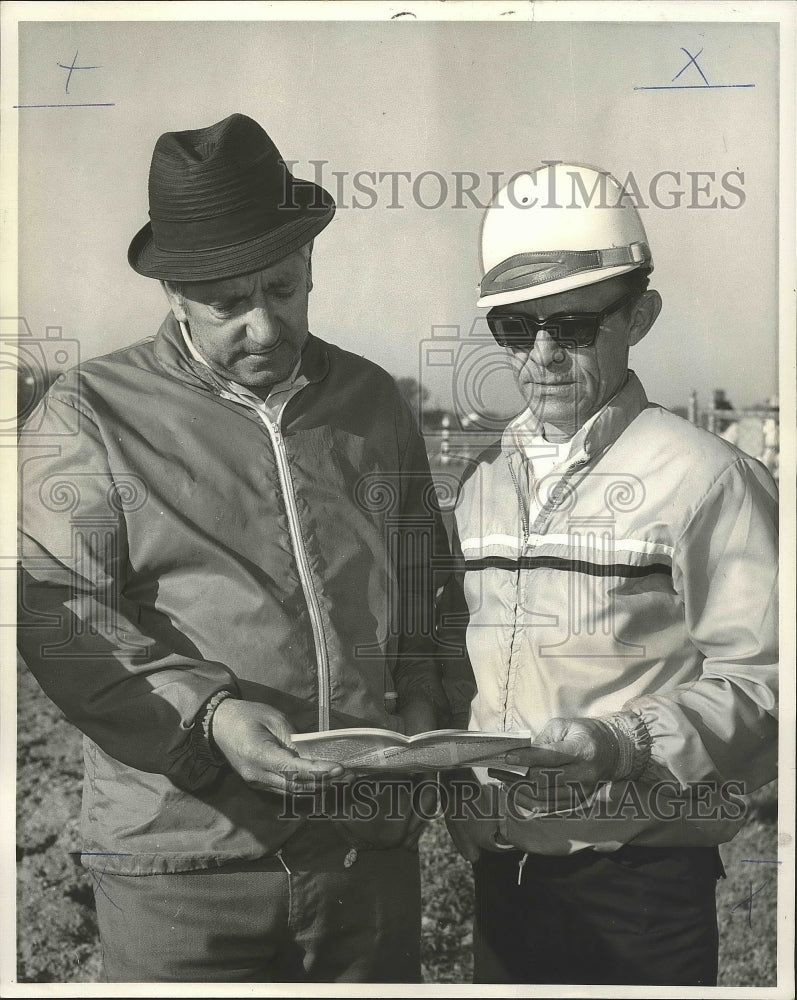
(453, 440)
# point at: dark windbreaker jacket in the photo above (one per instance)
(175, 543)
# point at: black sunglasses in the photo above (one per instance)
(518, 331)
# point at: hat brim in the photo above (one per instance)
(315, 210)
(554, 287)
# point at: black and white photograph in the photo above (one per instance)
(399, 453)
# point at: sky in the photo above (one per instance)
(397, 280)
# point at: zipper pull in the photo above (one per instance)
(520, 865)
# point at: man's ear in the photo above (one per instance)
(175, 301)
(646, 311)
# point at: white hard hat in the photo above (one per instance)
(559, 227)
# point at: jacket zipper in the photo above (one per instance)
(524, 517)
(302, 564)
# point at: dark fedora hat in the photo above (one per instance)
(222, 203)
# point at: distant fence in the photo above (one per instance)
(756, 431)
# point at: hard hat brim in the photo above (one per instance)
(565, 284)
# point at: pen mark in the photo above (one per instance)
(72, 69)
(748, 901)
(692, 61)
(98, 885)
(701, 86)
(98, 105)
(705, 85)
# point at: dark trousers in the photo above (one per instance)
(335, 915)
(639, 915)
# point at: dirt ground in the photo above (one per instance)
(56, 929)
(57, 940)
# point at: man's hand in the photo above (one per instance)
(256, 740)
(568, 754)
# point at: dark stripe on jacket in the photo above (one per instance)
(567, 565)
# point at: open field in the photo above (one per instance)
(56, 927)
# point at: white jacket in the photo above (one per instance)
(646, 583)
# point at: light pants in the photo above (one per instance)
(339, 916)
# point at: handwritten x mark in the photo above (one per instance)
(691, 61)
(98, 885)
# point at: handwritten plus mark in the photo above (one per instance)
(72, 69)
(748, 901)
(691, 62)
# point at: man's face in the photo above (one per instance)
(251, 329)
(565, 386)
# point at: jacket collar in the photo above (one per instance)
(624, 407)
(600, 431)
(172, 354)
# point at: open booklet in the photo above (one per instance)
(384, 750)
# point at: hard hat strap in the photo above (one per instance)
(525, 270)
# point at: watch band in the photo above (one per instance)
(206, 722)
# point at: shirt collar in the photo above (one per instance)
(525, 432)
(525, 435)
(235, 387)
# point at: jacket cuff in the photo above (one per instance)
(634, 741)
(202, 744)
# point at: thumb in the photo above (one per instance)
(546, 755)
(562, 752)
(554, 731)
(281, 737)
(286, 762)
(279, 728)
